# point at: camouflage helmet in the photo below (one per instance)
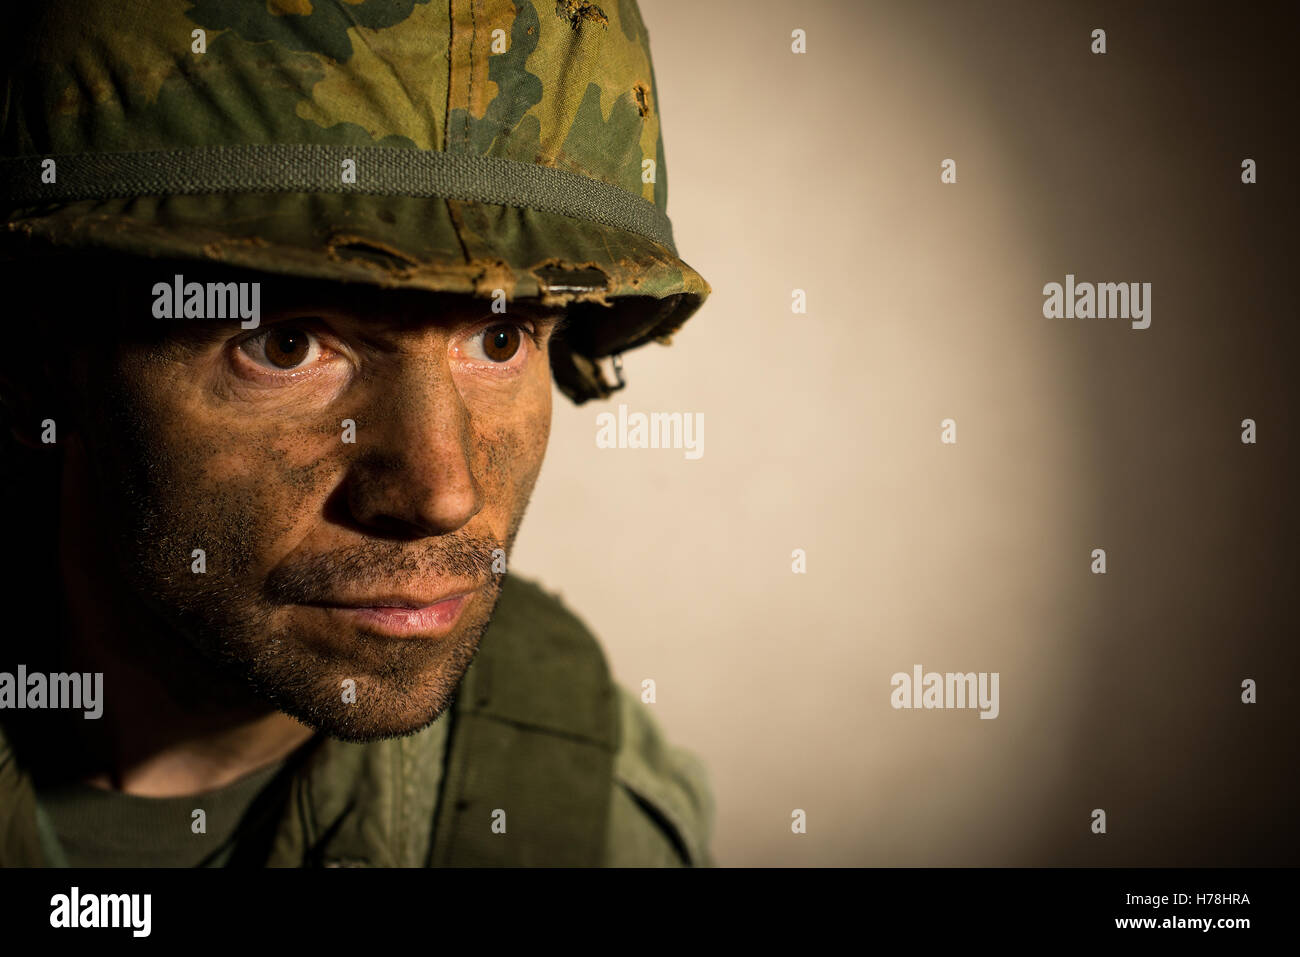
(466, 147)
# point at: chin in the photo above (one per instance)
(349, 728)
(353, 722)
(360, 699)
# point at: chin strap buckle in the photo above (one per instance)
(616, 365)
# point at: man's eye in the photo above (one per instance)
(502, 342)
(282, 348)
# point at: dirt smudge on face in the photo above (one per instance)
(281, 508)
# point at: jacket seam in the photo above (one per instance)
(656, 804)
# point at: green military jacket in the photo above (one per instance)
(539, 731)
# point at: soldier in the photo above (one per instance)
(313, 266)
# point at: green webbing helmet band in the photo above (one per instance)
(379, 171)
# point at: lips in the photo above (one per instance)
(394, 601)
(401, 616)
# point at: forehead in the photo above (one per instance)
(136, 289)
(389, 308)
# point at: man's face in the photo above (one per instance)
(359, 455)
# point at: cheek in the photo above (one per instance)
(520, 444)
(263, 489)
(513, 444)
(189, 476)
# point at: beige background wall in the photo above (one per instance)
(821, 172)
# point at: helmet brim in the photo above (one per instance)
(624, 289)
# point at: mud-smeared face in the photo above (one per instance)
(323, 504)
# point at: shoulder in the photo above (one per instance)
(661, 808)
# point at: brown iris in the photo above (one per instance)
(500, 343)
(286, 348)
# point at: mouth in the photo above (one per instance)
(401, 616)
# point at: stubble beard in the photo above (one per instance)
(222, 643)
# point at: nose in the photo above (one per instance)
(413, 473)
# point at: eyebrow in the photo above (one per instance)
(554, 321)
(174, 339)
